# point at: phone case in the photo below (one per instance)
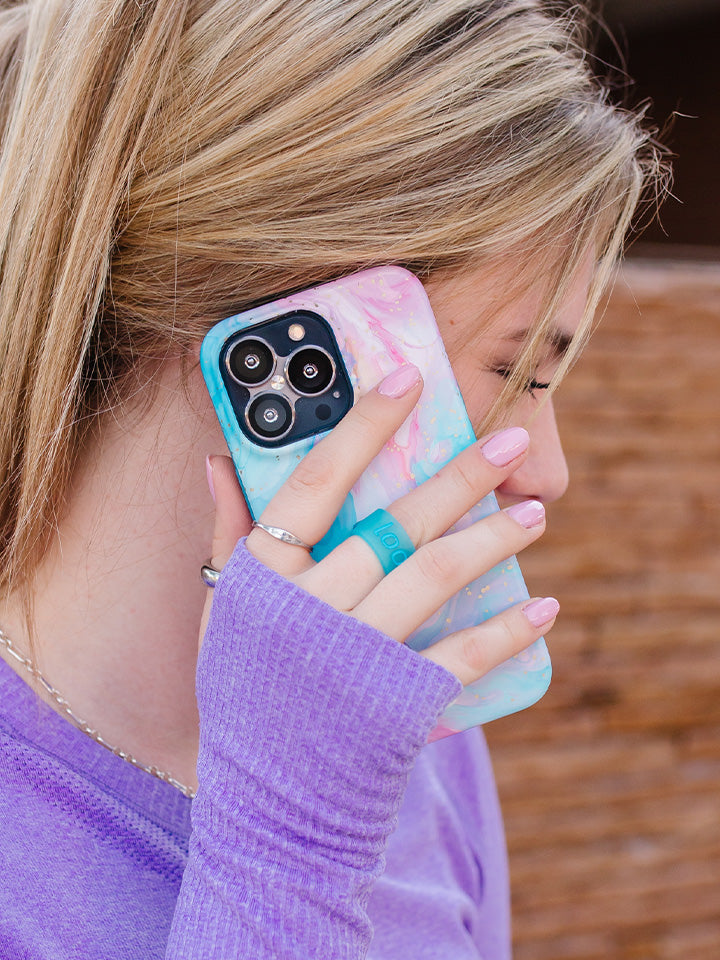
(382, 318)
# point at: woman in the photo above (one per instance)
(163, 165)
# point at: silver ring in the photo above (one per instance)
(283, 535)
(208, 574)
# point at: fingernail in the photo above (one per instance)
(504, 447)
(528, 514)
(400, 381)
(541, 611)
(209, 475)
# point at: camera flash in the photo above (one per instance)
(296, 331)
(277, 382)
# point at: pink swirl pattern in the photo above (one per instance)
(381, 319)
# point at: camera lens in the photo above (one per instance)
(269, 416)
(310, 370)
(251, 362)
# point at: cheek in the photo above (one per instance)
(479, 388)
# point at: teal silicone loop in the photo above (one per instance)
(386, 538)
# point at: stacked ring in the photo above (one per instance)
(380, 530)
(284, 536)
(208, 574)
(386, 538)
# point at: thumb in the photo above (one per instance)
(232, 518)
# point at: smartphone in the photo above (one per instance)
(283, 374)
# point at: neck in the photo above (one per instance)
(117, 600)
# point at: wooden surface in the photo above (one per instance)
(611, 785)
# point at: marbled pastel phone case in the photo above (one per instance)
(380, 319)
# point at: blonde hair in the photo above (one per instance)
(166, 163)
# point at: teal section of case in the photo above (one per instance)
(381, 318)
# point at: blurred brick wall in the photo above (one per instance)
(611, 785)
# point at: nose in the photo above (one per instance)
(544, 474)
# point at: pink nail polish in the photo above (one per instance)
(541, 611)
(528, 514)
(209, 475)
(504, 447)
(400, 381)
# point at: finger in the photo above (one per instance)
(232, 519)
(346, 575)
(432, 508)
(408, 595)
(475, 651)
(312, 497)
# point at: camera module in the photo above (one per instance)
(310, 370)
(251, 361)
(269, 416)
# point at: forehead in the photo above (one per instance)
(501, 302)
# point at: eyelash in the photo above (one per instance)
(530, 386)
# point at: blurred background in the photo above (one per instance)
(611, 785)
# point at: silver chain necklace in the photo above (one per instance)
(83, 725)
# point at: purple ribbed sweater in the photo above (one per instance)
(322, 827)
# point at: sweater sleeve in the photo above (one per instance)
(310, 722)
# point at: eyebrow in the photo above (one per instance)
(558, 341)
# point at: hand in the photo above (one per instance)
(350, 578)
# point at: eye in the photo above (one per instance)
(531, 385)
